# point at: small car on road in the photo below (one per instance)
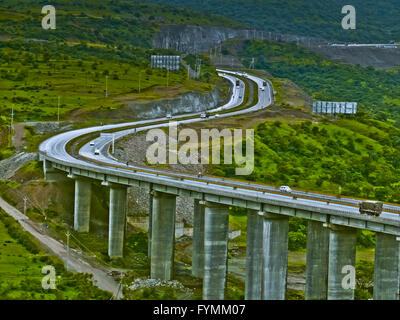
(285, 189)
(205, 114)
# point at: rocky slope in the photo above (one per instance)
(365, 56)
(133, 149)
(196, 39)
(9, 166)
(186, 103)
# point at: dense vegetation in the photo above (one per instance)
(362, 157)
(21, 263)
(5, 149)
(376, 91)
(376, 22)
(111, 22)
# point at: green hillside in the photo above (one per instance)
(33, 77)
(376, 91)
(93, 40)
(111, 22)
(21, 263)
(376, 21)
(362, 156)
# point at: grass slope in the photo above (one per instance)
(32, 78)
(361, 157)
(109, 22)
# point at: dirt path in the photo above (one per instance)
(75, 261)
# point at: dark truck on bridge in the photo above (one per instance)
(372, 208)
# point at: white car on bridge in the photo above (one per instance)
(285, 189)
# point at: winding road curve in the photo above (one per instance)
(54, 149)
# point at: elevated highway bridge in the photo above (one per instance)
(332, 222)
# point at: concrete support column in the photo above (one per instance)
(150, 224)
(198, 240)
(386, 274)
(254, 256)
(117, 216)
(83, 194)
(317, 261)
(342, 253)
(163, 236)
(216, 229)
(276, 238)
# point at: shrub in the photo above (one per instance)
(366, 239)
(138, 242)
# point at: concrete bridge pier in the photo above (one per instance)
(254, 256)
(83, 195)
(117, 220)
(387, 265)
(276, 239)
(317, 261)
(198, 239)
(46, 167)
(150, 224)
(163, 236)
(342, 261)
(216, 228)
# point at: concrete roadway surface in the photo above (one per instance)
(102, 143)
(265, 93)
(265, 98)
(73, 261)
(55, 147)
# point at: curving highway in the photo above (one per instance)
(54, 150)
